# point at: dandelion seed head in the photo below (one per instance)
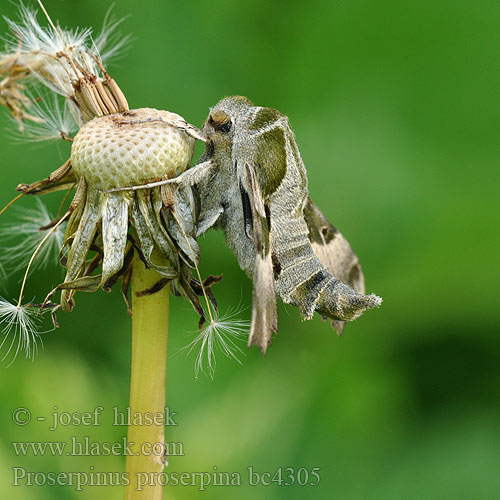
(20, 329)
(27, 233)
(224, 333)
(61, 59)
(36, 48)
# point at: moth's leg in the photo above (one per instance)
(192, 176)
(209, 218)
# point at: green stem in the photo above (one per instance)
(147, 383)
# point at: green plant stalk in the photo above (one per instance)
(148, 382)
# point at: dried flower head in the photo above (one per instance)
(114, 147)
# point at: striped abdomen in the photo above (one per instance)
(302, 280)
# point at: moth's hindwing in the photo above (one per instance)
(334, 252)
(332, 249)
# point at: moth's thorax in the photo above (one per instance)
(131, 148)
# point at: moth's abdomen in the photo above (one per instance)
(302, 280)
(309, 286)
(328, 296)
(339, 301)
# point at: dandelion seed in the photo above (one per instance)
(110, 43)
(51, 119)
(21, 321)
(20, 332)
(28, 36)
(222, 333)
(29, 229)
(3, 277)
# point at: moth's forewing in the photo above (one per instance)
(264, 308)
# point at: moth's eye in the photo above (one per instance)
(220, 121)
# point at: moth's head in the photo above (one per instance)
(219, 127)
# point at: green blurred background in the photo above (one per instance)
(396, 111)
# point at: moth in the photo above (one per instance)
(251, 182)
